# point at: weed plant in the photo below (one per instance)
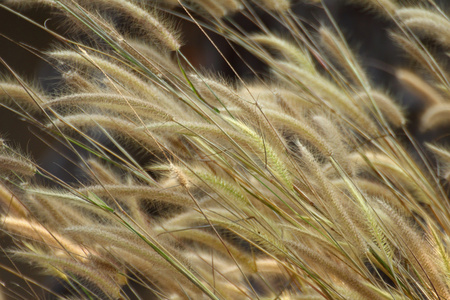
(301, 183)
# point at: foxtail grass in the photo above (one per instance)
(304, 182)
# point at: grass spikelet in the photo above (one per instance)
(112, 102)
(374, 190)
(419, 53)
(227, 282)
(370, 217)
(274, 5)
(231, 190)
(331, 202)
(435, 117)
(419, 254)
(428, 22)
(419, 86)
(73, 268)
(339, 271)
(301, 128)
(11, 204)
(125, 128)
(441, 251)
(180, 176)
(291, 52)
(262, 240)
(284, 98)
(443, 154)
(16, 163)
(158, 61)
(214, 8)
(30, 2)
(167, 279)
(38, 233)
(203, 131)
(443, 157)
(401, 177)
(209, 240)
(343, 56)
(151, 24)
(79, 82)
(59, 195)
(115, 72)
(218, 91)
(335, 140)
(46, 209)
(389, 109)
(102, 173)
(130, 249)
(267, 152)
(232, 6)
(323, 89)
(24, 97)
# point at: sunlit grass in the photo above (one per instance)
(295, 186)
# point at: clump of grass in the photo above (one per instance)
(297, 186)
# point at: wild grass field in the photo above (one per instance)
(296, 170)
